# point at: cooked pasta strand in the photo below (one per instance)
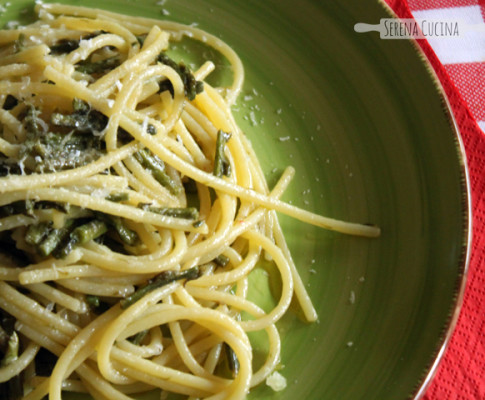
(135, 211)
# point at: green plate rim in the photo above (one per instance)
(466, 247)
(449, 325)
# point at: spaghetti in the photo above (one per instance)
(133, 209)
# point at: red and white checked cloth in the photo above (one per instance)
(460, 66)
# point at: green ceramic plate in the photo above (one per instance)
(368, 131)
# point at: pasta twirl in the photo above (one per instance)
(133, 209)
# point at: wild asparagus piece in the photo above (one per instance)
(138, 338)
(37, 232)
(81, 235)
(231, 359)
(159, 281)
(192, 87)
(55, 237)
(221, 165)
(12, 352)
(83, 118)
(157, 169)
(221, 260)
(117, 197)
(176, 212)
(93, 301)
(89, 67)
(127, 235)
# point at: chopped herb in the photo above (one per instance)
(83, 118)
(80, 106)
(159, 281)
(32, 122)
(50, 152)
(44, 151)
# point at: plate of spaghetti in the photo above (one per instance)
(222, 200)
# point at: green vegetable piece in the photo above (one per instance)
(127, 235)
(176, 212)
(37, 232)
(141, 39)
(89, 231)
(157, 169)
(93, 301)
(231, 359)
(118, 197)
(13, 389)
(80, 106)
(81, 235)
(83, 118)
(192, 87)
(73, 120)
(19, 44)
(139, 337)
(53, 151)
(221, 165)
(96, 305)
(64, 46)
(90, 68)
(159, 281)
(55, 238)
(151, 130)
(18, 207)
(198, 224)
(32, 122)
(12, 352)
(221, 260)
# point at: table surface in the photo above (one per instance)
(460, 65)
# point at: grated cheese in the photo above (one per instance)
(276, 381)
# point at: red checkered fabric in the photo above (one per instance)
(460, 66)
(463, 57)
